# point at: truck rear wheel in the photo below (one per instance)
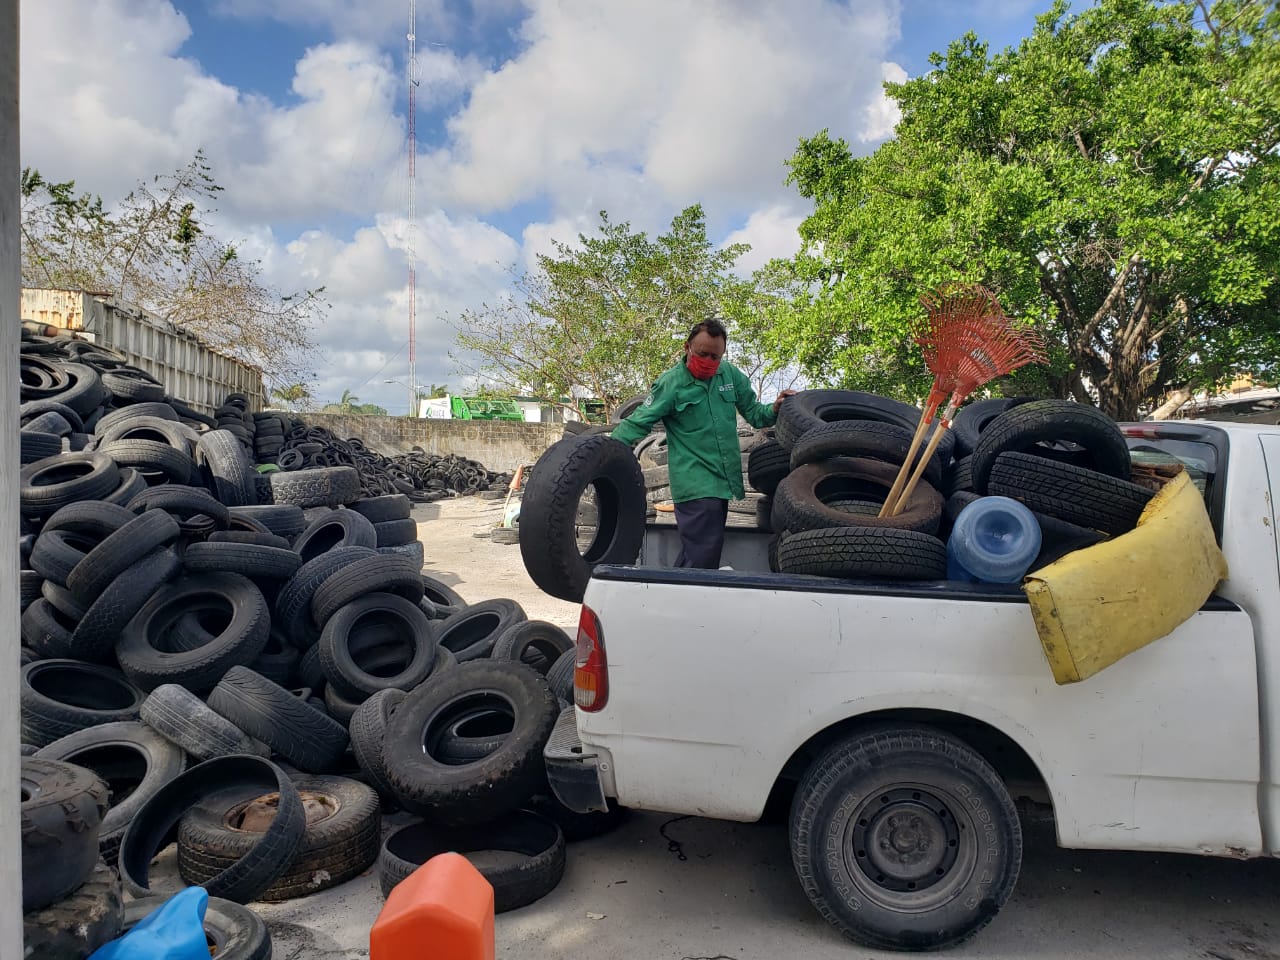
(905, 838)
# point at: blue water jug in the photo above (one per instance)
(174, 931)
(993, 540)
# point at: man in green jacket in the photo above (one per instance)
(698, 399)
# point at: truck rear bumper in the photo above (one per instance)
(572, 770)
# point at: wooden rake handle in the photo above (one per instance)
(891, 498)
(919, 470)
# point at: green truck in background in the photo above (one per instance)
(484, 408)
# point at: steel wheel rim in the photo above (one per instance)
(910, 847)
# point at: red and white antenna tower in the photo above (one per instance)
(410, 249)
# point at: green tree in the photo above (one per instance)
(153, 251)
(349, 405)
(607, 315)
(294, 395)
(1114, 179)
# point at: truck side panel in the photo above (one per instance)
(713, 691)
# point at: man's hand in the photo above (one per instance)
(782, 396)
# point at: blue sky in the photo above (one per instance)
(533, 116)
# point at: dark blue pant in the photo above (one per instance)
(701, 525)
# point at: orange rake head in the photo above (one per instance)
(977, 364)
(959, 319)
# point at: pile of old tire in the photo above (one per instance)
(132, 614)
(285, 444)
(462, 750)
(77, 396)
(826, 470)
(71, 900)
(1068, 462)
(651, 452)
(155, 644)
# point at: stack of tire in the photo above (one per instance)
(177, 634)
(463, 752)
(159, 637)
(285, 443)
(1068, 462)
(69, 387)
(835, 454)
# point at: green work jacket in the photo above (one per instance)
(702, 430)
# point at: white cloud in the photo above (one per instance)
(461, 262)
(635, 108)
(151, 109)
(772, 233)
(705, 101)
(882, 114)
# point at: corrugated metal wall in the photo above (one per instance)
(190, 371)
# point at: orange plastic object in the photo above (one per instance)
(442, 911)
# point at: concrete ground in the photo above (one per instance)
(692, 889)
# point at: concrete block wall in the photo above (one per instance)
(501, 445)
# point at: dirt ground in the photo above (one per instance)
(478, 568)
(663, 888)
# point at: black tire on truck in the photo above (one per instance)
(549, 513)
(861, 552)
(805, 499)
(1025, 428)
(975, 417)
(1083, 497)
(862, 438)
(811, 408)
(905, 838)
(767, 464)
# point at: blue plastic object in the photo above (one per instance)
(173, 931)
(993, 540)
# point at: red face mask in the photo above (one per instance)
(704, 368)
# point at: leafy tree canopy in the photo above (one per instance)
(154, 251)
(1115, 179)
(607, 315)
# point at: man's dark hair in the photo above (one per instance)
(712, 328)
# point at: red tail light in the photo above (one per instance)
(1145, 433)
(591, 672)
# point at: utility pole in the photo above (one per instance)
(410, 247)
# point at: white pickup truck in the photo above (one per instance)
(908, 718)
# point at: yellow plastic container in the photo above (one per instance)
(1099, 604)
